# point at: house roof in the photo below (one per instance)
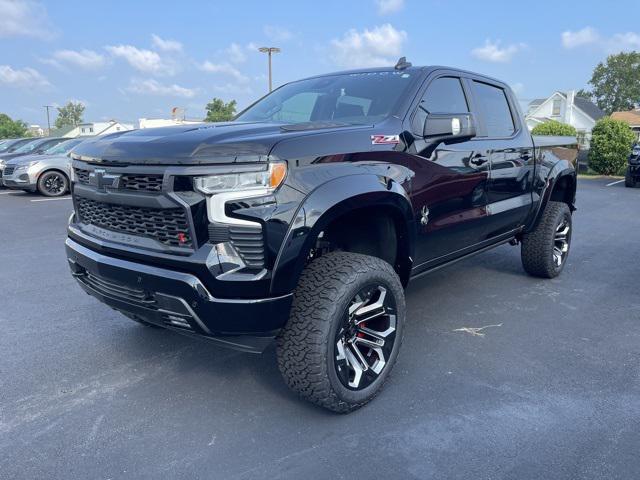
(588, 107)
(61, 132)
(632, 117)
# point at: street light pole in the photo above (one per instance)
(48, 121)
(269, 51)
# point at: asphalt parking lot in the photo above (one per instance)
(549, 389)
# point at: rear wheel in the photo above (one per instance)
(345, 330)
(545, 250)
(53, 184)
(628, 179)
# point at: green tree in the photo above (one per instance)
(611, 142)
(553, 127)
(70, 114)
(12, 128)
(616, 82)
(218, 111)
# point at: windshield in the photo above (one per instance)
(8, 145)
(27, 147)
(357, 98)
(62, 148)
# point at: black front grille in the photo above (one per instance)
(247, 240)
(142, 183)
(168, 226)
(82, 175)
(9, 170)
(136, 182)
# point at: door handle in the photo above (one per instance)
(478, 160)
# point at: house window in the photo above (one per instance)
(90, 129)
(82, 129)
(557, 104)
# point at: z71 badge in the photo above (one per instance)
(385, 139)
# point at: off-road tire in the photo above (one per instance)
(629, 182)
(306, 347)
(537, 246)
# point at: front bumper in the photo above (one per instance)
(20, 180)
(177, 300)
(634, 171)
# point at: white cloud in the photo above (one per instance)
(277, 34)
(625, 41)
(22, 78)
(588, 36)
(379, 46)
(166, 45)
(579, 38)
(87, 59)
(224, 69)
(386, 7)
(24, 18)
(493, 52)
(236, 53)
(142, 60)
(153, 87)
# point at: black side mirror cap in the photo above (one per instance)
(449, 127)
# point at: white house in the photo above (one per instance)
(164, 122)
(568, 108)
(101, 128)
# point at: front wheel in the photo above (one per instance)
(545, 250)
(53, 184)
(344, 332)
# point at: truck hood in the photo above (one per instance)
(207, 143)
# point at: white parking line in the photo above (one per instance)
(51, 199)
(7, 193)
(615, 183)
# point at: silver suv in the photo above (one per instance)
(47, 173)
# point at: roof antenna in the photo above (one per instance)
(402, 64)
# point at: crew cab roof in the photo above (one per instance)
(425, 69)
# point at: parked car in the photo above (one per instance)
(8, 145)
(632, 176)
(32, 146)
(302, 220)
(47, 173)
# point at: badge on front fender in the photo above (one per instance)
(385, 139)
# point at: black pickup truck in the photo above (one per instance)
(302, 220)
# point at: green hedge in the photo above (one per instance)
(611, 142)
(553, 127)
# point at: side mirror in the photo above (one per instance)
(449, 127)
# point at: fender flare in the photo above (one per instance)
(560, 171)
(328, 202)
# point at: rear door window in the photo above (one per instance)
(496, 112)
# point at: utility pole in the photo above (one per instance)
(48, 121)
(269, 51)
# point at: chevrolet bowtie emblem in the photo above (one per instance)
(102, 180)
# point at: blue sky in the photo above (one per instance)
(127, 60)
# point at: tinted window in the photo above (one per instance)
(495, 107)
(365, 97)
(444, 95)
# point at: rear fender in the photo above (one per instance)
(562, 177)
(327, 203)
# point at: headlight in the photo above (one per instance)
(26, 166)
(265, 181)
